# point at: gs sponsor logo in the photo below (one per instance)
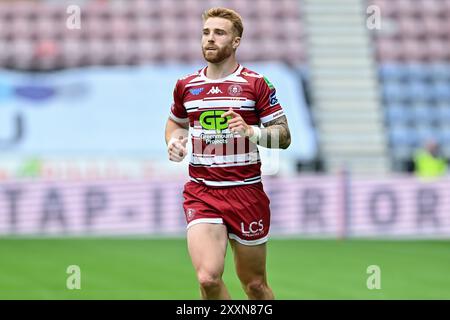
(211, 120)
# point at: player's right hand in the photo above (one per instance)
(177, 149)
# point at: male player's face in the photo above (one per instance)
(218, 39)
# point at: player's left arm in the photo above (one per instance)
(275, 134)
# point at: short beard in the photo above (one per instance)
(221, 54)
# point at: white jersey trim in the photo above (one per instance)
(201, 79)
(248, 242)
(237, 164)
(272, 116)
(244, 158)
(234, 77)
(218, 159)
(204, 220)
(202, 104)
(254, 75)
(227, 183)
(198, 132)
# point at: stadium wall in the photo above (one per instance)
(303, 206)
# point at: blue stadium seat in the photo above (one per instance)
(395, 91)
(423, 113)
(418, 71)
(402, 135)
(393, 71)
(443, 111)
(398, 113)
(440, 71)
(441, 90)
(418, 91)
(443, 135)
(445, 131)
(426, 132)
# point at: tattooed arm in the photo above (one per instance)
(276, 134)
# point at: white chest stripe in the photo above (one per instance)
(228, 159)
(218, 103)
(227, 183)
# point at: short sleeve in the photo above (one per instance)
(178, 111)
(267, 104)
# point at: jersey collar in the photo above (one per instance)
(233, 76)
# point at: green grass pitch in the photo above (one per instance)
(161, 269)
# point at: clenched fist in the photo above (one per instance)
(237, 124)
(177, 148)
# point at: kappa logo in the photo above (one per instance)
(214, 90)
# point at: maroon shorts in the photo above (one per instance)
(244, 210)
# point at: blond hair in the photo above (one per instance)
(228, 14)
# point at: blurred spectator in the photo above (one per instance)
(428, 163)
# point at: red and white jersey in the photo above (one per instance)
(219, 157)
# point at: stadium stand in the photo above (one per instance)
(344, 88)
(413, 52)
(34, 37)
